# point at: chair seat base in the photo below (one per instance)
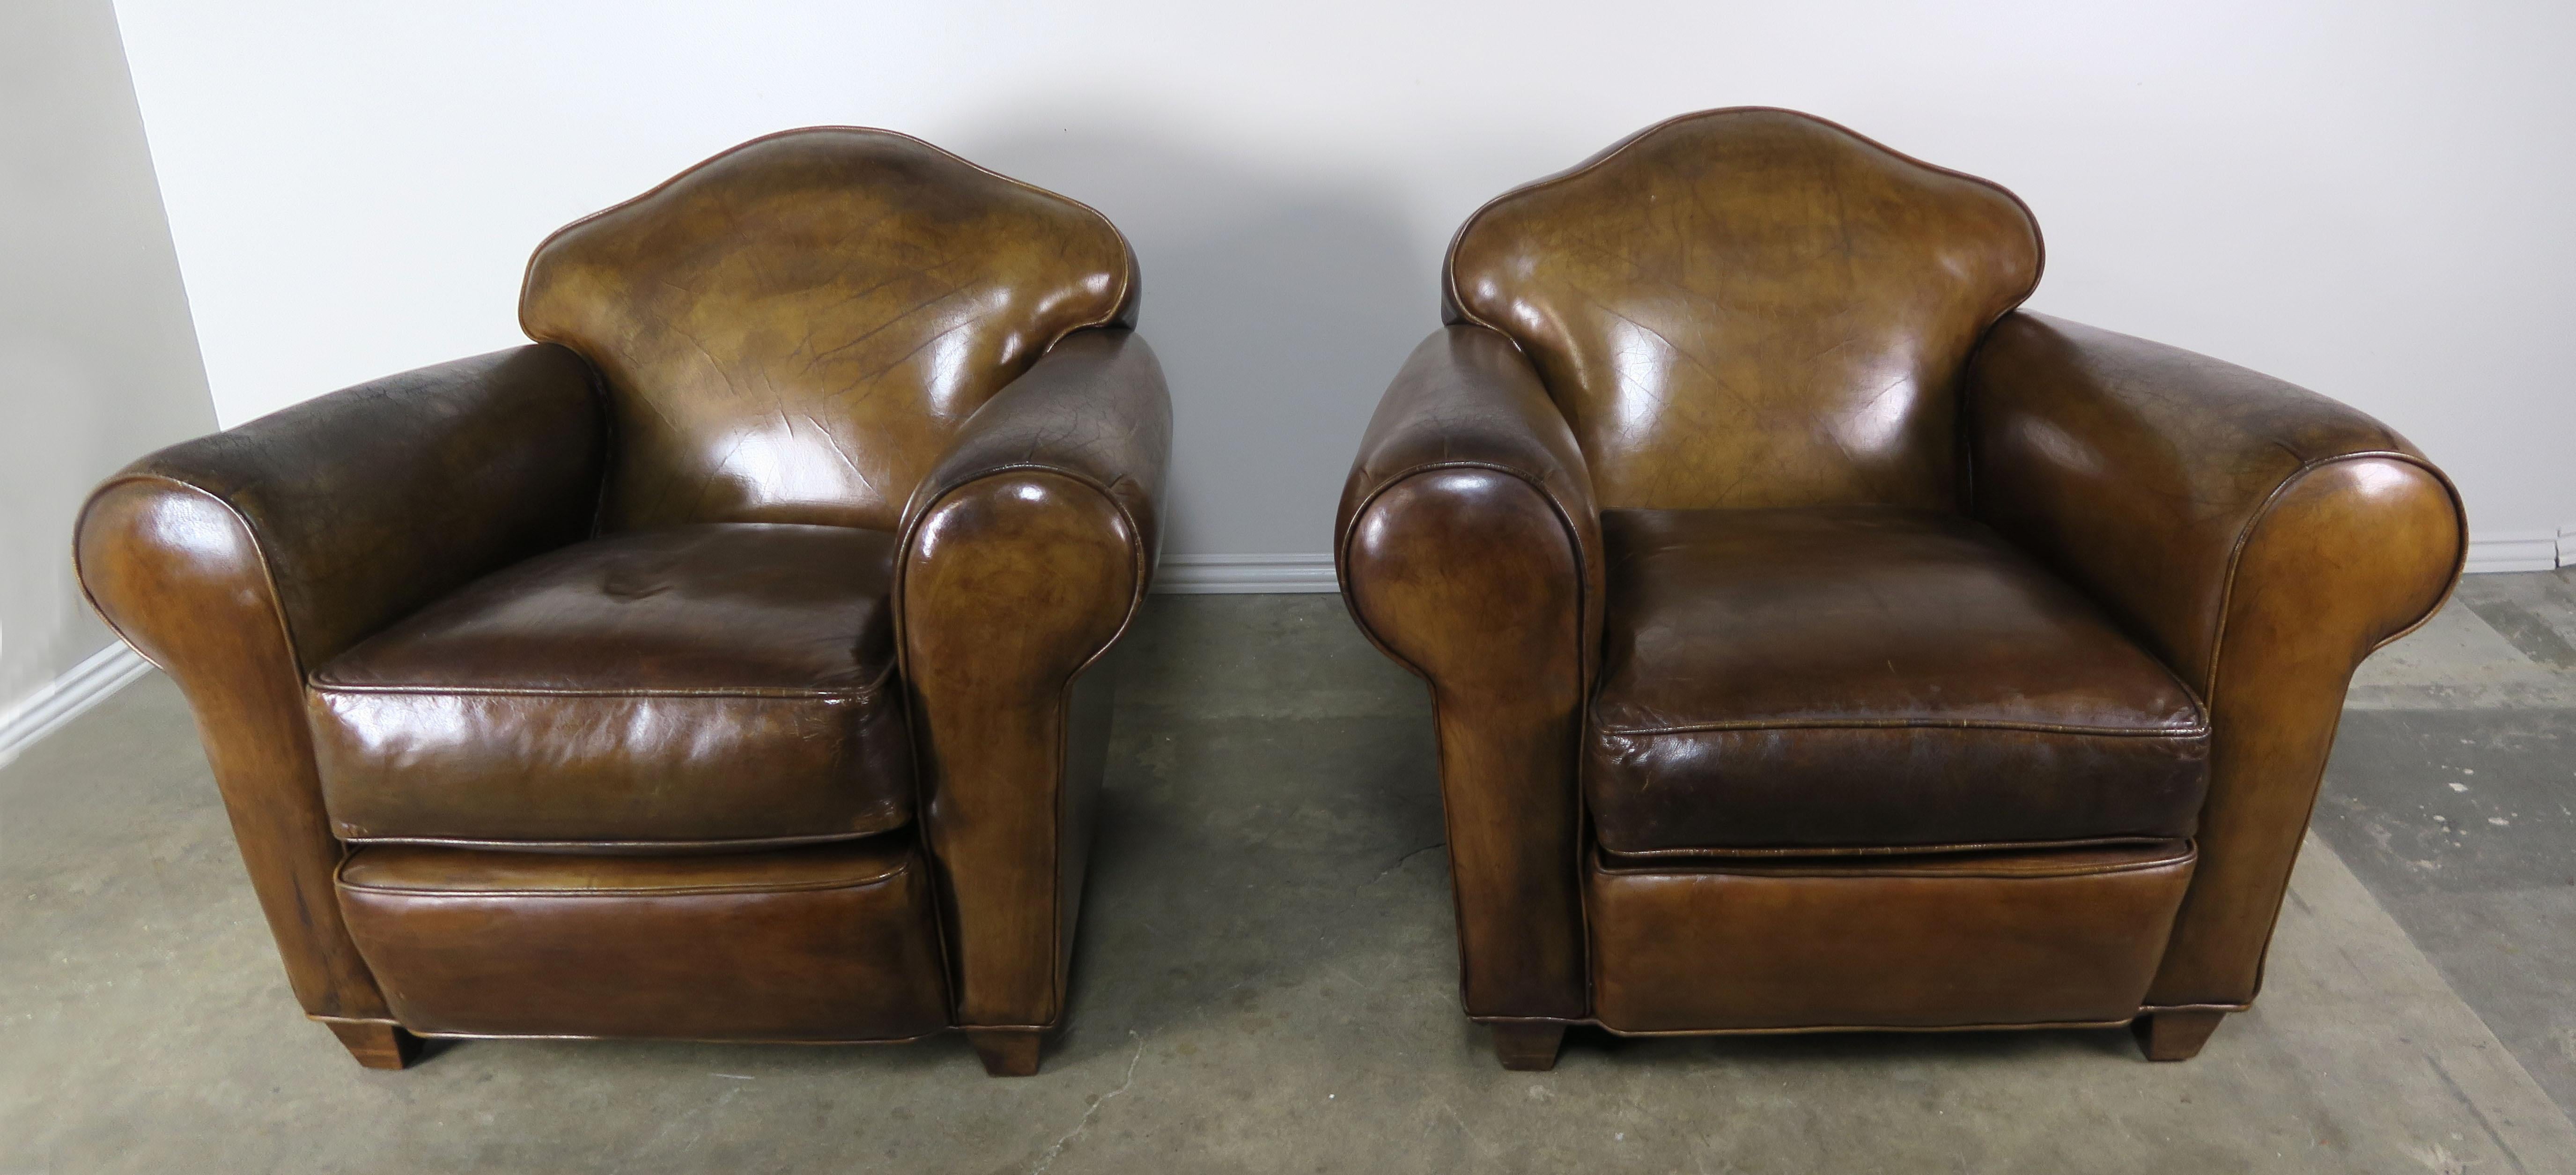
(1967, 941)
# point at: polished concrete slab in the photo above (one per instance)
(1266, 983)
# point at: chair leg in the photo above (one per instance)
(375, 1044)
(1006, 1052)
(2176, 1035)
(1528, 1048)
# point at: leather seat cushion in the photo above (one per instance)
(1869, 680)
(706, 685)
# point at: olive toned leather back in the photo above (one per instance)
(1751, 307)
(791, 331)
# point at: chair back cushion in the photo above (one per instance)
(1752, 307)
(791, 330)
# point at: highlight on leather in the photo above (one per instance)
(1751, 307)
(792, 330)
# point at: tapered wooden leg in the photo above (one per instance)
(1529, 1048)
(376, 1045)
(1006, 1053)
(2175, 1036)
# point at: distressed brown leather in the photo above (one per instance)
(237, 562)
(1469, 550)
(1751, 308)
(1974, 940)
(2260, 537)
(639, 593)
(1900, 638)
(1870, 679)
(835, 943)
(792, 330)
(1026, 552)
(683, 687)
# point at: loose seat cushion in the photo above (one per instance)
(720, 684)
(1866, 679)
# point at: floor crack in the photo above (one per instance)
(1048, 1159)
(1399, 861)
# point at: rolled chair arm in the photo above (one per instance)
(1026, 552)
(2260, 538)
(1469, 551)
(239, 561)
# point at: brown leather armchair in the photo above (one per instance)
(1818, 643)
(714, 668)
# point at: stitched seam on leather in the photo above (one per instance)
(855, 694)
(2189, 853)
(340, 878)
(360, 837)
(1911, 724)
(1871, 852)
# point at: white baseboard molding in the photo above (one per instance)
(66, 697)
(2519, 550)
(1200, 575)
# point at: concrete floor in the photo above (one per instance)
(1267, 975)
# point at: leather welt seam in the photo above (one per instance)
(859, 694)
(360, 836)
(1900, 874)
(2164, 732)
(667, 892)
(1612, 857)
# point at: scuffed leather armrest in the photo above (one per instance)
(239, 561)
(2261, 538)
(1026, 552)
(1469, 551)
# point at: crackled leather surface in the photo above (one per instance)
(835, 943)
(689, 685)
(1870, 678)
(1752, 308)
(793, 330)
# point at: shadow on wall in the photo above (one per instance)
(1279, 306)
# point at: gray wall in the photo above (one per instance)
(98, 363)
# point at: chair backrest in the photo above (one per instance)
(1751, 307)
(792, 330)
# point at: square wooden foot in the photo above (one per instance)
(2174, 1036)
(376, 1045)
(1529, 1048)
(1006, 1052)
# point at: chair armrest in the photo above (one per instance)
(1469, 551)
(2261, 538)
(238, 562)
(1026, 553)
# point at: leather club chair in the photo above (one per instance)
(1820, 643)
(713, 668)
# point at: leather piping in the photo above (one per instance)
(1455, 309)
(1584, 644)
(1142, 576)
(339, 877)
(1610, 856)
(2196, 729)
(2183, 852)
(619, 847)
(1122, 310)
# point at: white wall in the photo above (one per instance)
(2366, 197)
(97, 365)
